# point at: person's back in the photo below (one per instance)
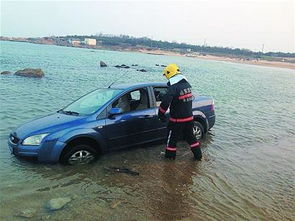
(179, 97)
(181, 105)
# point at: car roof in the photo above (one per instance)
(130, 86)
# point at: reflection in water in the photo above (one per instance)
(171, 199)
(234, 184)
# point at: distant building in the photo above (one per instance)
(193, 54)
(90, 41)
(75, 42)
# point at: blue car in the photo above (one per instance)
(105, 119)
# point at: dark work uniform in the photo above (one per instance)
(179, 97)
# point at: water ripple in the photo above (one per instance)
(248, 167)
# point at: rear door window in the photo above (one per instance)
(132, 101)
(159, 94)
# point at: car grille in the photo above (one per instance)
(13, 139)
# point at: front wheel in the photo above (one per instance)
(79, 154)
(198, 130)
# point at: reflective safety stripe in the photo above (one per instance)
(185, 96)
(194, 145)
(162, 109)
(180, 120)
(171, 148)
(168, 140)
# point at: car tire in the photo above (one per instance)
(198, 130)
(79, 154)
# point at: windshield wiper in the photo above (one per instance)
(69, 112)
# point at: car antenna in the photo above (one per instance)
(115, 80)
(111, 84)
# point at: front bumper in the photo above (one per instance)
(47, 151)
(21, 150)
(211, 121)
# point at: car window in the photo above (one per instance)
(159, 94)
(134, 100)
(91, 102)
(135, 95)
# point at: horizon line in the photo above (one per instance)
(171, 41)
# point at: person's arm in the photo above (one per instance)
(166, 101)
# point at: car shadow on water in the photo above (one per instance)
(163, 189)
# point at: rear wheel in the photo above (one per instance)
(79, 154)
(198, 130)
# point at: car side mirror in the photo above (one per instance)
(115, 111)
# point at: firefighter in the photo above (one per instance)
(179, 98)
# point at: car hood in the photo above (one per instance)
(48, 124)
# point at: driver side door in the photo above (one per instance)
(131, 127)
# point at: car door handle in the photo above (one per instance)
(148, 116)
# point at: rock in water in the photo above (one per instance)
(5, 72)
(102, 64)
(29, 72)
(142, 70)
(58, 203)
(122, 66)
(27, 213)
(115, 204)
(121, 170)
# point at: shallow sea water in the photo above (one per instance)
(248, 168)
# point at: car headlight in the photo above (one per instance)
(34, 140)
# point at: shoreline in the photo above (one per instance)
(251, 62)
(259, 62)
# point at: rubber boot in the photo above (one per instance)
(197, 153)
(196, 149)
(170, 154)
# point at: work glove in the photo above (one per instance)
(162, 117)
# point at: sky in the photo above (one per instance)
(250, 24)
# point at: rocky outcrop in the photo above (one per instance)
(5, 72)
(58, 203)
(122, 66)
(142, 70)
(28, 72)
(102, 64)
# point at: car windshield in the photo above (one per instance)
(91, 102)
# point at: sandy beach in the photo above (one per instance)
(223, 58)
(252, 62)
